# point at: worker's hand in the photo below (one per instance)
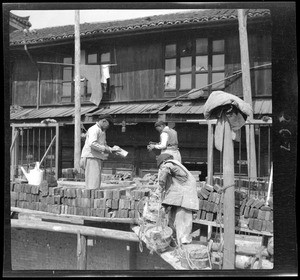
(115, 149)
(150, 147)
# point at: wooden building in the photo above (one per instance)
(152, 61)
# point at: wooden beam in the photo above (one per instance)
(77, 219)
(229, 215)
(246, 79)
(77, 124)
(210, 153)
(74, 229)
(81, 252)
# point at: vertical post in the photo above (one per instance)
(245, 65)
(229, 215)
(56, 150)
(81, 252)
(210, 152)
(77, 126)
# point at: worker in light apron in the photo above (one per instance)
(95, 151)
(168, 141)
(178, 194)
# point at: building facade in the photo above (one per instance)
(149, 65)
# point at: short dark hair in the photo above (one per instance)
(159, 123)
(106, 117)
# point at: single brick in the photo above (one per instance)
(102, 203)
(132, 204)
(86, 211)
(44, 188)
(108, 194)
(108, 213)
(93, 212)
(115, 204)
(259, 204)
(124, 213)
(100, 212)
(136, 194)
(203, 215)
(265, 208)
(216, 208)
(250, 202)
(259, 224)
(267, 215)
(204, 207)
(56, 199)
(86, 202)
(204, 193)
(50, 200)
(86, 193)
(14, 195)
(217, 187)
(79, 192)
(209, 187)
(131, 214)
(96, 203)
(251, 223)
(108, 203)
(246, 212)
(201, 204)
(255, 213)
(211, 197)
(93, 193)
(17, 187)
(264, 225)
(198, 214)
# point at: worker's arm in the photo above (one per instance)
(163, 142)
(94, 144)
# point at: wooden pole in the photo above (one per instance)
(74, 229)
(77, 126)
(245, 65)
(229, 215)
(81, 252)
(210, 152)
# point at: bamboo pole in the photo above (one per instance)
(210, 152)
(74, 229)
(229, 215)
(52, 141)
(245, 65)
(77, 125)
(81, 252)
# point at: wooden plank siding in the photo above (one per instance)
(139, 73)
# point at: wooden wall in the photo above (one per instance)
(44, 250)
(139, 73)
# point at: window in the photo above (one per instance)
(194, 63)
(67, 81)
(103, 59)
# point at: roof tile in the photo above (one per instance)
(130, 25)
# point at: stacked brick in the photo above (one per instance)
(250, 213)
(79, 201)
(210, 201)
(256, 215)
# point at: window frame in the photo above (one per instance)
(194, 54)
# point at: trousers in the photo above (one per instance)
(181, 220)
(92, 170)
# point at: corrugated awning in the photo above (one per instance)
(121, 109)
(44, 113)
(260, 106)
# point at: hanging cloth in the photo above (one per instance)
(93, 74)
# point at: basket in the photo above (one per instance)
(194, 256)
(158, 237)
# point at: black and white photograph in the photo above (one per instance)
(150, 139)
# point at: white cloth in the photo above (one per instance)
(93, 171)
(104, 73)
(93, 74)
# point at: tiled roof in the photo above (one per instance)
(22, 20)
(160, 22)
(48, 112)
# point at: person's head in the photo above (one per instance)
(104, 121)
(160, 125)
(162, 158)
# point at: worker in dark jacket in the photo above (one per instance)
(168, 140)
(177, 189)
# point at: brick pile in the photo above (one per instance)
(79, 201)
(251, 213)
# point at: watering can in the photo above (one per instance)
(34, 176)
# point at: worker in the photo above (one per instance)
(168, 140)
(178, 194)
(95, 151)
